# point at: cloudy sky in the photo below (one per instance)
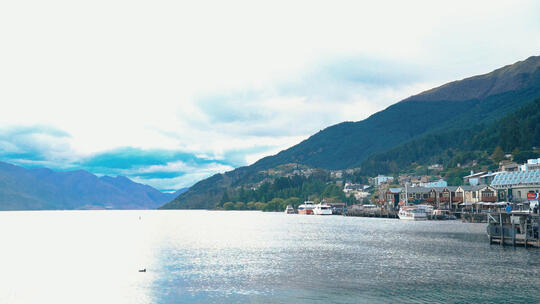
(170, 92)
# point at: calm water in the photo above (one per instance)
(254, 257)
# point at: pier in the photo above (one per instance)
(375, 212)
(469, 217)
(514, 229)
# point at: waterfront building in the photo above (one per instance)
(439, 183)
(514, 186)
(488, 178)
(447, 197)
(473, 179)
(416, 194)
(476, 194)
(531, 164)
(441, 197)
(392, 195)
(480, 178)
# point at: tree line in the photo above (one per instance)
(517, 133)
(276, 194)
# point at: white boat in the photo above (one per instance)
(306, 208)
(322, 209)
(428, 209)
(412, 213)
(289, 209)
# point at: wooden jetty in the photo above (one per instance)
(514, 229)
(384, 213)
(469, 217)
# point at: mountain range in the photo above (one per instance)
(45, 189)
(458, 105)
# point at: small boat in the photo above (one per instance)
(428, 209)
(306, 208)
(440, 214)
(412, 213)
(289, 210)
(142, 270)
(322, 209)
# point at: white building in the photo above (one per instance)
(532, 164)
(439, 183)
(381, 179)
(516, 185)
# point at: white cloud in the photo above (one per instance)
(191, 174)
(132, 74)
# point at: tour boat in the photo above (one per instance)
(322, 209)
(289, 209)
(412, 213)
(306, 208)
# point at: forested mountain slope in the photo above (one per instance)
(457, 105)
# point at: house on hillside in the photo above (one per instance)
(418, 181)
(508, 166)
(436, 167)
(357, 190)
(381, 179)
(349, 187)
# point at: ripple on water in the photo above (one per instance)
(254, 257)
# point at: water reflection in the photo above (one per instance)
(254, 257)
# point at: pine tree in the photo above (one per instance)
(498, 155)
(224, 198)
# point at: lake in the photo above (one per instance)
(255, 257)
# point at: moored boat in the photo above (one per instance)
(412, 213)
(441, 214)
(289, 210)
(322, 209)
(306, 208)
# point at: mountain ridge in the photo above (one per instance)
(348, 144)
(484, 85)
(46, 189)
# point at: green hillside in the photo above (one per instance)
(518, 131)
(454, 106)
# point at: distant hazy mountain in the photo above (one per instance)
(456, 105)
(45, 189)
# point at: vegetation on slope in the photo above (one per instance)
(282, 191)
(518, 132)
(454, 107)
